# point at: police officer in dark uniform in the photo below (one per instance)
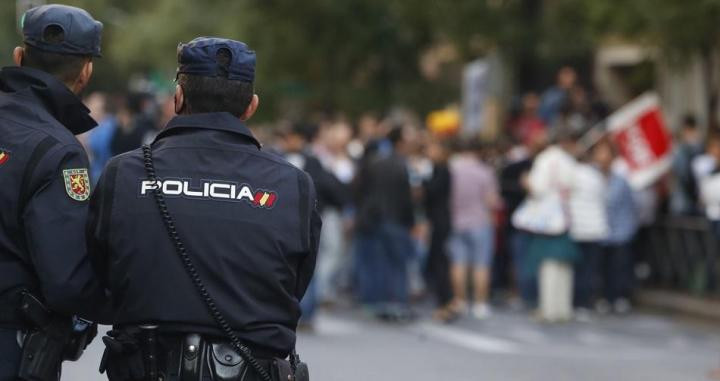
(45, 275)
(204, 207)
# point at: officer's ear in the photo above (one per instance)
(83, 79)
(179, 99)
(252, 107)
(18, 53)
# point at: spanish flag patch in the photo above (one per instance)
(264, 199)
(4, 156)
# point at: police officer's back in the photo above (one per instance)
(246, 217)
(43, 172)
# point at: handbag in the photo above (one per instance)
(541, 215)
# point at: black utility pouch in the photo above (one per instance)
(123, 359)
(282, 370)
(226, 364)
(302, 373)
(44, 345)
(41, 357)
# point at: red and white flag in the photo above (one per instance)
(642, 138)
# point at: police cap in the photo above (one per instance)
(81, 33)
(217, 57)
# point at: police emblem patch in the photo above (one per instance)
(4, 156)
(77, 183)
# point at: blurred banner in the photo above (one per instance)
(475, 88)
(642, 139)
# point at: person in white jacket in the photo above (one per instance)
(550, 184)
(709, 184)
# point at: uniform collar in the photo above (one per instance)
(58, 100)
(222, 121)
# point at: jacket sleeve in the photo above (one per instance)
(331, 191)
(311, 238)
(98, 222)
(335, 193)
(54, 217)
(406, 207)
(97, 233)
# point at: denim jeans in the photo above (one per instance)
(321, 286)
(331, 256)
(617, 271)
(472, 247)
(587, 274)
(525, 276)
(381, 257)
(437, 267)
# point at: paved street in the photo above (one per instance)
(507, 347)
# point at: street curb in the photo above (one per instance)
(679, 302)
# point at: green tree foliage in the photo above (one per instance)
(356, 55)
(9, 36)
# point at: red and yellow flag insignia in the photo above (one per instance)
(4, 157)
(264, 199)
(77, 183)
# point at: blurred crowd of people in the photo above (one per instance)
(125, 122)
(534, 218)
(696, 173)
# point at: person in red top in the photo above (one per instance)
(528, 122)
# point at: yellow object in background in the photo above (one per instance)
(444, 122)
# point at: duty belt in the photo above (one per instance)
(142, 353)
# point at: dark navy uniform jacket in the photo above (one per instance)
(247, 218)
(44, 191)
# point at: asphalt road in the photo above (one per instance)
(348, 346)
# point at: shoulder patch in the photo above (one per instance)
(77, 183)
(4, 156)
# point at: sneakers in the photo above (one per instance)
(622, 306)
(480, 311)
(460, 307)
(445, 314)
(603, 307)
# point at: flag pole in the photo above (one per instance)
(593, 135)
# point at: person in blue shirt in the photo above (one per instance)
(98, 141)
(623, 222)
(554, 98)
